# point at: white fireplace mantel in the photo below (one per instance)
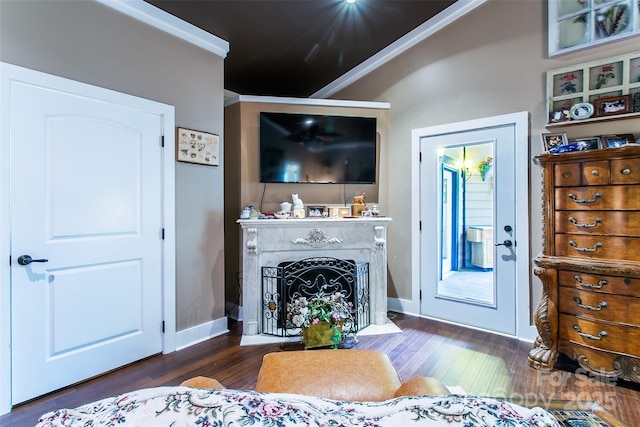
(268, 242)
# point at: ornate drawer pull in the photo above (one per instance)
(600, 284)
(601, 334)
(625, 171)
(600, 306)
(595, 197)
(595, 172)
(566, 174)
(593, 224)
(593, 249)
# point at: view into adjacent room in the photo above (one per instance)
(466, 256)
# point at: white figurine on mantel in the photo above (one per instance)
(298, 206)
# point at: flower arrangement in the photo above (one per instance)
(333, 309)
(485, 167)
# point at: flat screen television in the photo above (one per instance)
(306, 148)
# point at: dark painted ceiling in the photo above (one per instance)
(295, 48)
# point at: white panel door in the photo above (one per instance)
(86, 205)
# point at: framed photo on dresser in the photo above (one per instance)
(613, 141)
(553, 140)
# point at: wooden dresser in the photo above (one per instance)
(590, 264)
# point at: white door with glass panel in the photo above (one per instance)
(467, 208)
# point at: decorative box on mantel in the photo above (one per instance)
(268, 242)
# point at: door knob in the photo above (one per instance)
(26, 260)
(506, 243)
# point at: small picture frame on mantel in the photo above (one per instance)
(344, 211)
(316, 211)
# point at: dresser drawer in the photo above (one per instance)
(625, 171)
(577, 174)
(614, 308)
(604, 335)
(600, 247)
(600, 283)
(615, 223)
(612, 197)
(567, 175)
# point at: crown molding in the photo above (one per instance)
(427, 29)
(308, 101)
(158, 18)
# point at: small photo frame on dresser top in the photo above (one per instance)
(592, 143)
(553, 140)
(614, 141)
(613, 105)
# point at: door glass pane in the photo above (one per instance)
(466, 224)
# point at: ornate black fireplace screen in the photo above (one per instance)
(307, 277)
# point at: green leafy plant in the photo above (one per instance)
(330, 308)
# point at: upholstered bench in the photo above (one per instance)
(353, 375)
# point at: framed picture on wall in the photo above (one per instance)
(194, 146)
(578, 24)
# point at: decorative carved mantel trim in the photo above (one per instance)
(252, 240)
(317, 238)
(379, 240)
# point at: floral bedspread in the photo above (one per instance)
(184, 406)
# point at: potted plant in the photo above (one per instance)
(320, 318)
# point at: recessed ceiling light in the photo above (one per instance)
(351, 1)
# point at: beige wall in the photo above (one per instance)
(242, 186)
(90, 43)
(490, 62)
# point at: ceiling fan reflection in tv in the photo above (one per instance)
(307, 148)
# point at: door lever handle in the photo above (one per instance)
(506, 243)
(26, 260)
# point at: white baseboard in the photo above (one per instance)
(233, 310)
(404, 306)
(199, 333)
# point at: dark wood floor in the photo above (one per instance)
(481, 363)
